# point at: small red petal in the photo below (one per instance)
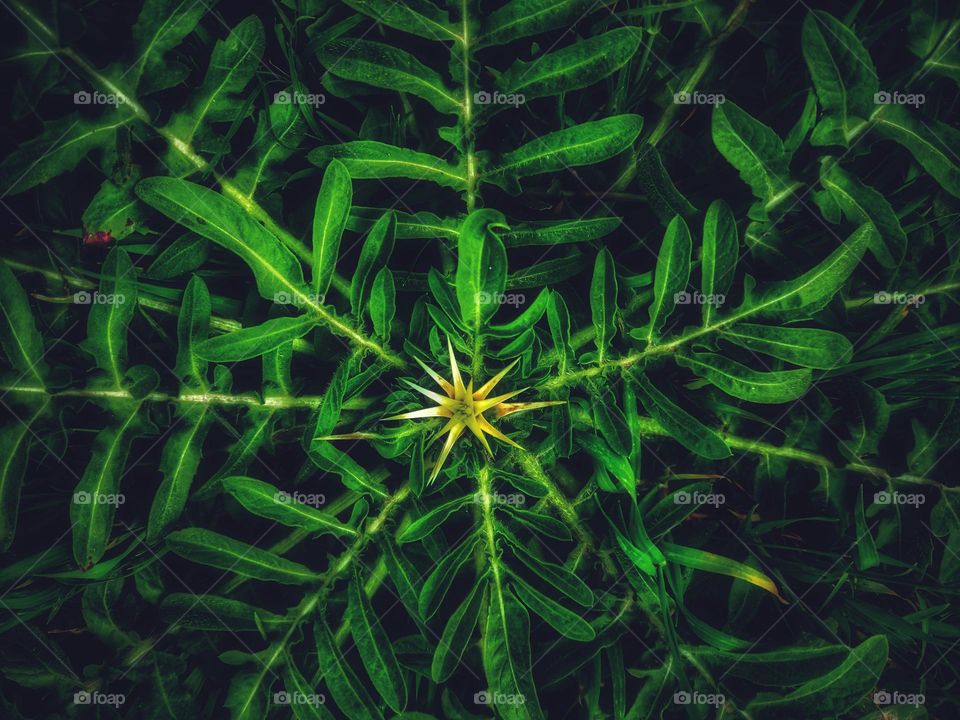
(100, 238)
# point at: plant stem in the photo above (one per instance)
(467, 116)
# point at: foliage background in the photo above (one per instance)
(799, 168)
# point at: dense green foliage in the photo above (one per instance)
(722, 233)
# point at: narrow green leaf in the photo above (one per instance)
(267, 501)
(862, 204)
(457, 634)
(97, 495)
(376, 649)
(506, 655)
(807, 347)
(418, 17)
(161, 26)
(779, 668)
(603, 302)
(385, 66)
(576, 66)
(220, 97)
(930, 142)
(738, 380)
(348, 692)
(560, 233)
(682, 426)
(812, 290)
(111, 309)
(710, 562)
(183, 255)
(520, 18)
(329, 219)
(833, 693)
(193, 326)
(656, 184)
(19, 337)
(561, 619)
(481, 268)
(427, 523)
(718, 260)
(754, 150)
(672, 275)
(374, 255)
(584, 144)
(207, 213)
(371, 160)
(254, 341)
(216, 613)
(210, 548)
(867, 555)
(59, 148)
(438, 583)
(178, 463)
(843, 76)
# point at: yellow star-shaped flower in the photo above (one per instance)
(464, 407)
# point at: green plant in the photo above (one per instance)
(723, 377)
